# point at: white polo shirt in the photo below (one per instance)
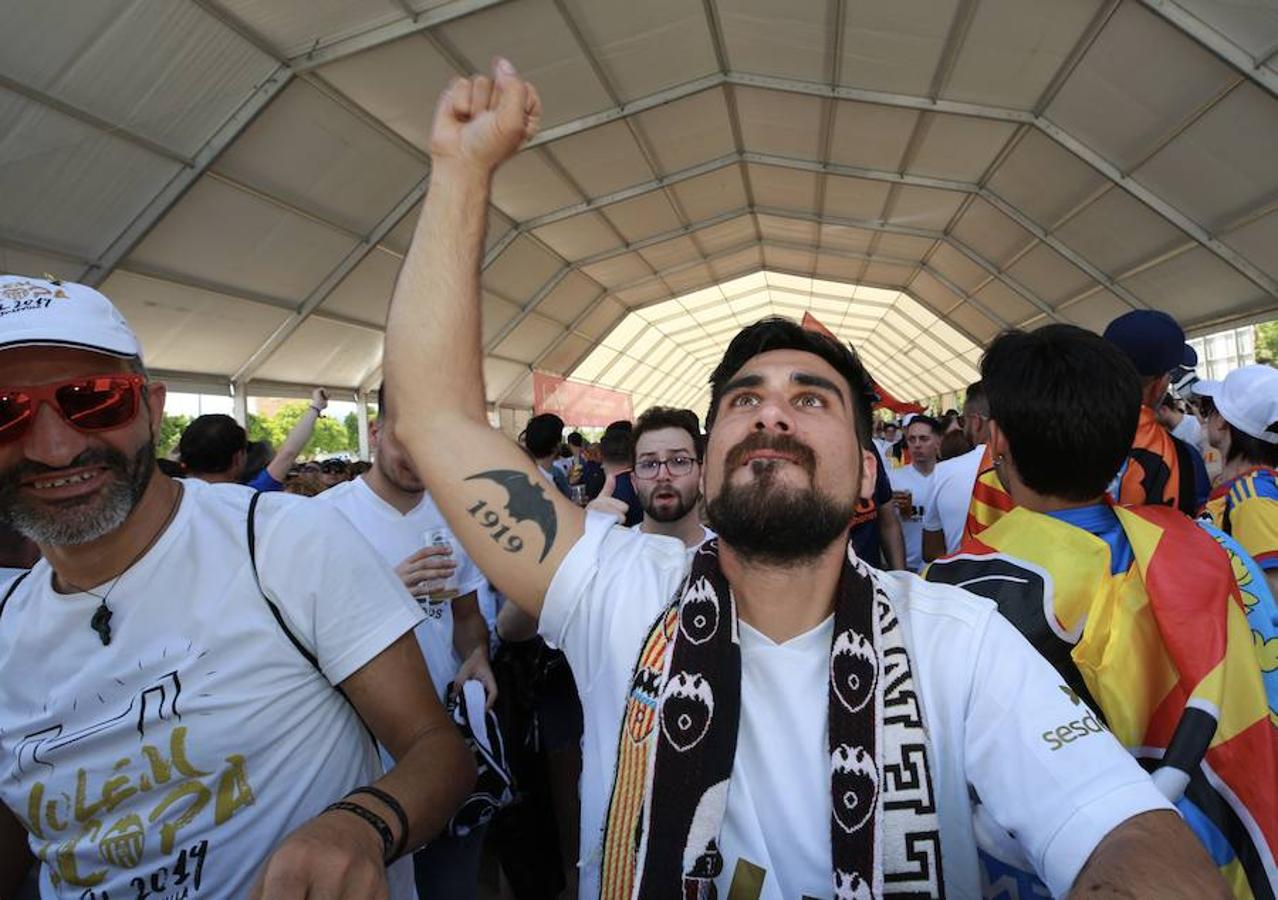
(952, 484)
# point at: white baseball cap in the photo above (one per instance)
(39, 313)
(1247, 399)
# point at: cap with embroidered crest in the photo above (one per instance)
(38, 312)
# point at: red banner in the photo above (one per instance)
(578, 404)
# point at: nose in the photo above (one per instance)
(774, 415)
(51, 440)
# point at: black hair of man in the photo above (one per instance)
(1250, 449)
(778, 333)
(620, 425)
(659, 417)
(1068, 402)
(169, 467)
(616, 447)
(258, 457)
(976, 398)
(576, 441)
(209, 444)
(543, 434)
(930, 422)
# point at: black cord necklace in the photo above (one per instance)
(101, 621)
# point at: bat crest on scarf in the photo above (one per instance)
(687, 707)
(855, 787)
(854, 669)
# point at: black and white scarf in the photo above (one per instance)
(679, 737)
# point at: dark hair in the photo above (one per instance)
(955, 443)
(777, 333)
(169, 467)
(1068, 402)
(257, 458)
(925, 420)
(543, 434)
(210, 443)
(620, 425)
(659, 417)
(334, 465)
(576, 440)
(975, 396)
(616, 447)
(1251, 449)
(382, 406)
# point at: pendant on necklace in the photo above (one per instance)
(101, 623)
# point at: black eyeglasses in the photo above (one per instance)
(648, 469)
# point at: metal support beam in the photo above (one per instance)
(1203, 34)
(239, 402)
(361, 420)
(356, 255)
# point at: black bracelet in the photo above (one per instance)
(373, 819)
(395, 807)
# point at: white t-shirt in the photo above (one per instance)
(174, 760)
(706, 534)
(988, 700)
(396, 536)
(908, 478)
(952, 484)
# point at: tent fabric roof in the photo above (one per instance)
(242, 176)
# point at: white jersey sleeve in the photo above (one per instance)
(1044, 767)
(336, 594)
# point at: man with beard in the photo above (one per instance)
(667, 474)
(792, 722)
(200, 671)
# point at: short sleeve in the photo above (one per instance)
(1254, 524)
(264, 481)
(1041, 762)
(339, 598)
(607, 592)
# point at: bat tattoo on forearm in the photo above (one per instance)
(527, 500)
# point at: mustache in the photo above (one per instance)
(780, 443)
(93, 456)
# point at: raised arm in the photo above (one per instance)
(512, 521)
(301, 433)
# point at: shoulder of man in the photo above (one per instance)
(913, 596)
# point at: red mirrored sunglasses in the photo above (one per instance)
(89, 403)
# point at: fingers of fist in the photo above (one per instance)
(325, 858)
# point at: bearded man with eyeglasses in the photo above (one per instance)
(667, 474)
(189, 678)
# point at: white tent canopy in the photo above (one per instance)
(242, 176)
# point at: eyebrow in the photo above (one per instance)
(686, 451)
(743, 382)
(817, 381)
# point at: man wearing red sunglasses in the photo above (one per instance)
(186, 677)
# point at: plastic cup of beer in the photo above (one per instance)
(442, 590)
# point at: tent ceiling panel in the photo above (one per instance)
(930, 292)
(529, 339)
(569, 298)
(1013, 48)
(32, 57)
(1049, 275)
(401, 235)
(783, 188)
(690, 278)
(500, 375)
(578, 237)
(311, 153)
(268, 250)
(671, 253)
(870, 136)
(990, 233)
(528, 186)
(618, 271)
(533, 36)
(780, 124)
(566, 354)
(784, 258)
(1137, 83)
(294, 26)
(894, 47)
(958, 268)
(15, 259)
(878, 272)
(1118, 232)
(601, 318)
(395, 83)
(344, 354)
(735, 264)
(521, 269)
(904, 246)
(689, 131)
(1252, 26)
(924, 207)
(1234, 147)
(1179, 284)
(643, 216)
(364, 294)
(191, 330)
(973, 322)
(846, 238)
(1005, 302)
(959, 147)
(1258, 241)
(1096, 311)
(771, 39)
(1043, 179)
(725, 235)
(190, 79)
(855, 198)
(642, 294)
(67, 186)
(710, 194)
(645, 47)
(784, 229)
(602, 160)
(495, 314)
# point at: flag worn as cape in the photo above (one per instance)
(1153, 473)
(1162, 651)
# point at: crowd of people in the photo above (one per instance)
(797, 649)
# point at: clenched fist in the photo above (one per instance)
(482, 121)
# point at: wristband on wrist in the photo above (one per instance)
(318, 411)
(377, 822)
(395, 807)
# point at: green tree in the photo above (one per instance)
(171, 429)
(330, 436)
(351, 422)
(1267, 343)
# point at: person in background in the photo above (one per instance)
(392, 509)
(570, 455)
(257, 457)
(304, 484)
(1242, 423)
(214, 448)
(334, 472)
(667, 474)
(954, 444)
(1175, 415)
(912, 487)
(1137, 608)
(617, 450)
(18, 553)
(955, 480)
(541, 439)
(1160, 470)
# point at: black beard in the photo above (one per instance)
(680, 509)
(79, 522)
(777, 526)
